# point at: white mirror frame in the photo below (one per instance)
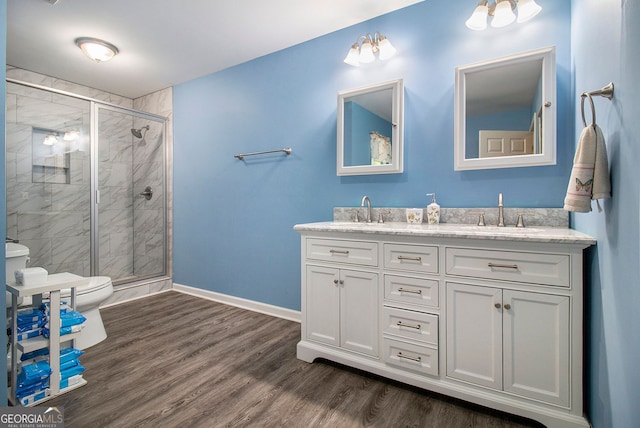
(548, 155)
(397, 139)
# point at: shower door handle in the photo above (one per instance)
(148, 193)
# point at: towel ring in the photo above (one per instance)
(606, 91)
(593, 109)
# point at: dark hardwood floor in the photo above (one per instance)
(174, 360)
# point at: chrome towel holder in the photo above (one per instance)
(605, 91)
(242, 155)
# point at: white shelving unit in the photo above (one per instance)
(53, 285)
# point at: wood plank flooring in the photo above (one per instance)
(174, 360)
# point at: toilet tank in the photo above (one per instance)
(17, 256)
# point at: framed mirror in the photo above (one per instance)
(370, 129)
(505, 112)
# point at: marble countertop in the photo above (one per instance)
(444, 230)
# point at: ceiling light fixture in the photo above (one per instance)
(96, 49)
(365, 53)
(502, 12)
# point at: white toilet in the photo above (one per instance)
(88, 297)
(17, 257)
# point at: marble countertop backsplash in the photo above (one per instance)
(542, 225)
(541, 217)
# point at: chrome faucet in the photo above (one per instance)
(368, 201)
(500, 211)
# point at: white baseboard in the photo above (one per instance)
(251, 305)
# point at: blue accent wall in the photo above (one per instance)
(3, 199)
(359, 122)
(233, 220)
(605, 40)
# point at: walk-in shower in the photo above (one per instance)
(77, 172)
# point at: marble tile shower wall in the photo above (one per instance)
(49, 216)
(148, 215)
(53, 219)
(147, 158)
(115, 215)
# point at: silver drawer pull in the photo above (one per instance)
(401, 324)
(413, 259)
(339, 251)
(408, 357)
(402, 290)
(496, 265)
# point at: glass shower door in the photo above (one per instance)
(130, 195)
(48, 177)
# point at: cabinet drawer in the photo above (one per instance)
(422, 359)
(535, 268)
(335, 250)
(417, 291)
(410, 325)
(411, 258)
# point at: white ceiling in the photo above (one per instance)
(166, 42)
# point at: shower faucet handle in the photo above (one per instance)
(148, 193)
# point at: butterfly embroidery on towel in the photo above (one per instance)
(586, 186)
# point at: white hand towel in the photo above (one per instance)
(31, 276)
(590, 173)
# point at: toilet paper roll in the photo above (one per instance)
(31, 276)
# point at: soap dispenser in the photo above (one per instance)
(433, 210)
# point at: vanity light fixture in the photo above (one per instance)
(50, 140)
(365, 53)
(502, 12)
(96, 49)
(71, 135)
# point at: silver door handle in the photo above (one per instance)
(497, 265)
(409, 357)
(401, 324)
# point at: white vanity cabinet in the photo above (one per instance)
(342, 308)
(490, 317)
(410, 327)
(341, 295)
(509, 340)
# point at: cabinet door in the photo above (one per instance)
(474, 334)
(323, 305)
(536, 346)
(359, 311)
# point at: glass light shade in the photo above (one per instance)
(478, 19)
(50, 140)
(366, 52)
(386, 49)
(96, 49)
(353, 56)
(527, 9)
(71, 135)
(503, 14)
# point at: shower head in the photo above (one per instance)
(138, 132)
